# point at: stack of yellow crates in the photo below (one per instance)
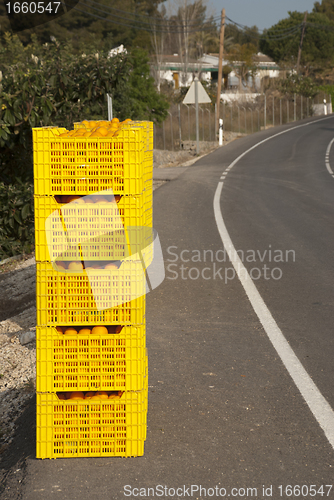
(93, 241)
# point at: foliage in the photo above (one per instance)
(16, 218)
(143, 102)
(298, 84)
(238, 36)
(90, 25)
(328, 89)
(317, 50)
(245, 68)
(325, 7)
(59, 88)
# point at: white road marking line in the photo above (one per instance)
(318, 405)
(327, 158)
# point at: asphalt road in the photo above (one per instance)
(224, 412)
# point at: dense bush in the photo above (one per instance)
(58, 88)
(16, 219)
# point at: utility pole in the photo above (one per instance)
(301, 42)
(220, 64)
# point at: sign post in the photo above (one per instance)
(221, 130)
(196, 95)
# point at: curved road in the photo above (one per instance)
(224, 412)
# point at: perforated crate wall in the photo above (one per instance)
(86, 298)
(92, 231)
(91, 428)
(90, 362)
(85, 165)
(147, 126)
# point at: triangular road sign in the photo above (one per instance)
(203, 97)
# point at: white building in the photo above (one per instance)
(172, 68)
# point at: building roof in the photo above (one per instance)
(209, 62)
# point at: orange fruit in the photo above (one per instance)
(110, 133)
(86, 134)
(114, 395)
(72, 198)
(102, 394)
(95, 198)
(85, 331)
(89, 395)
(100, 330)
(96, 266)
(111, 266)
(102, 131)
(95, 134)
(92, 124)
(88, 199)
(115, 120)
(80, 200)
(76, 395)
(60, 266)
(115, 329)
(75, 266)
(70, 331)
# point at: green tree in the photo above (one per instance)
(298, 84)
(141, 100)
(59, 88)
(241, 59)
(317, 51)
(325, 7)
(244, 36)
(91, 24)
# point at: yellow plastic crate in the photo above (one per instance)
(91, 231)
(147, 126)
(146, 390)
(85, 165)
(91, 428)
(81, 362)
(97, 296)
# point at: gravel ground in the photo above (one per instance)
(18, 315)
(163, 159)
(17, 361)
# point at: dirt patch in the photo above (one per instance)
(17, 362)
(162, 158)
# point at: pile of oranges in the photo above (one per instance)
(96, 330)
(89, 199)
(100, 128)
(79, 266)
(77, 395)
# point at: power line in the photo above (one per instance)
(140, 24)
(280, 34)
(157, 24)
(154, 20)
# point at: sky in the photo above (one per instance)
(261, 13)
